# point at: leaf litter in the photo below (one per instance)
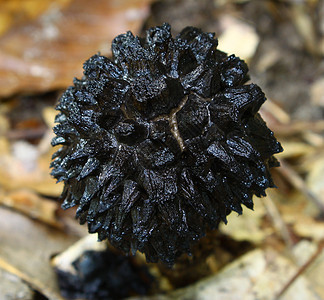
(281, 241)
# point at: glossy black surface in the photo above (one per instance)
(161, 142)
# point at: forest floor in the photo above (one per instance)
(273, 252)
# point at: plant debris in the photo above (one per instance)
(43, 45)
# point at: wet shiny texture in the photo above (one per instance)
(161, 142)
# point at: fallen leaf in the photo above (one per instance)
(246, 227)
(317, 92)
(315, 178)
(295, 149)
(64, 260)
(26, 248)
(238, 37)
(12, 287)
(257, 275)
(47, 53)
(16, 11)
(308, 227)
(303, 251)
(33, 205)
(24, 166)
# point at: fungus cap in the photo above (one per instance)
(162, 142)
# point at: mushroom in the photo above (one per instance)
(162, 142)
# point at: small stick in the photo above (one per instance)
(279, 223)
(302, 269)
(296, 127)
(299, 184)
(279, 114)
(18, 134)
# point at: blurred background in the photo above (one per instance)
(275, 251)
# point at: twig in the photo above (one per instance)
(272, 109)
(279, 223)
(297, 127)
(18, 134)
(299, 184)
(302, 269)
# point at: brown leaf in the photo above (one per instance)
(303, 251)
(32, 205)
(16, 11)
(26, 248)
(47, 53)
(257, 275)
(26, 166)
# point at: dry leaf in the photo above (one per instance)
(32, 205)
(12, 287)
(26, 248)
(17, 11)
(45, 54)
(64, 260)
(294, 149)
(307, 227)
(303, 251)
(257, 275)
(315, 178)
(317, 92)
(246, 227)
(24, 166)
(238, 37)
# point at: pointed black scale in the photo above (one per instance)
(162, 141)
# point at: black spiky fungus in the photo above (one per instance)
(162, 142)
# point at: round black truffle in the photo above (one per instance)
(162, 142)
